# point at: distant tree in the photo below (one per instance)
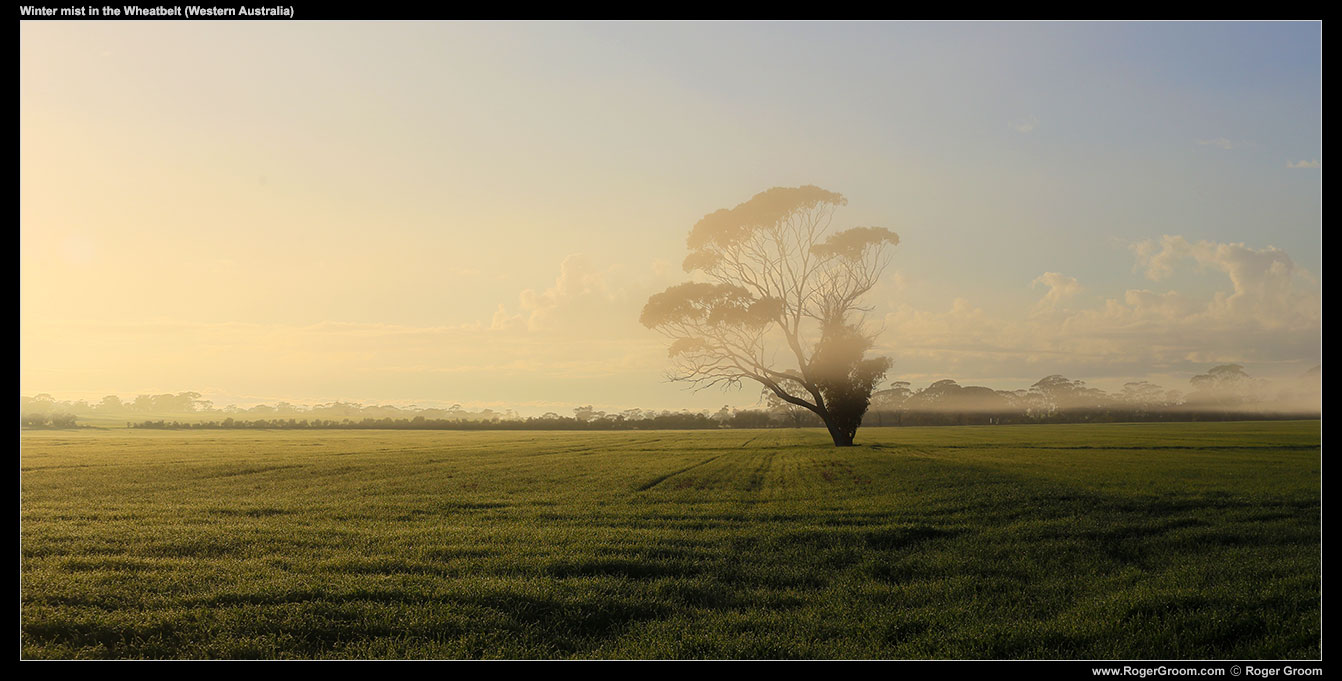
(937, 395)
(749, 418)
(1226, 385)
(792, 414)
(586, 414)
(38, 404)
(1143, 395)
(39, 420)
(781, 284)
(890, 403)
(1060, 393)
(1304, 393)
(723, 415)
(892, 397)
(947, 395)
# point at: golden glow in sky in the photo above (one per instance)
(474, 213)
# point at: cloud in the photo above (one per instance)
(1266, 310)
(587, 300)
(1060, 288)
(1219, 143)
(1025, 125)
(1265, 281)
(1304, 164)
(579, 294)
(503, 320)
(1159, 264)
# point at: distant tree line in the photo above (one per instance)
(47, 420)
(664, 421)
(189, 407)
(1225, 392)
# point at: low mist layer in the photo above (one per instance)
(1224, 391)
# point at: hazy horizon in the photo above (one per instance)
(438, 213)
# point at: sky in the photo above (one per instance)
(439, 213)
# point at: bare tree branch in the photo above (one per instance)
(781, 279)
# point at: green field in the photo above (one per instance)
(1148, 541)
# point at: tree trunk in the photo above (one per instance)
(841, 437)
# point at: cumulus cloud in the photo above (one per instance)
(586, 300)
(580, 286)
(504, 320)
(1266, 284)
(1304, 164)
(1060, 288)
(1158, 259)
(1267, 310)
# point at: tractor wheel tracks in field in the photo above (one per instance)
(662, 478)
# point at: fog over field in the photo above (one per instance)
(476, 212)
(893, 340)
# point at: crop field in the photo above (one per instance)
(1122, 541)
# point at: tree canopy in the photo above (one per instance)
(778, 302)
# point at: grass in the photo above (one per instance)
(1145, 541)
